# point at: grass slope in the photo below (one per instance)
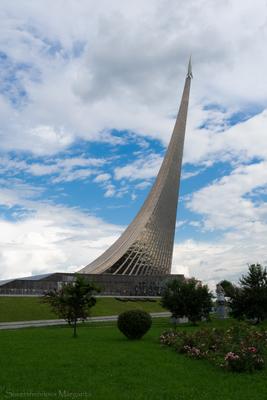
(31, 308)
(101, 364)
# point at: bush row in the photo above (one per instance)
(240, 348)
(135, 299)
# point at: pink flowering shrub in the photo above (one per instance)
(240, 348)
(244, 359)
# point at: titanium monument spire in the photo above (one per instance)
(146, 246)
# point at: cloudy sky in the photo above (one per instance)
(89, 93)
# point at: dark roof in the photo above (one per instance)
(27, 278)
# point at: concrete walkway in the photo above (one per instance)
(53, 322)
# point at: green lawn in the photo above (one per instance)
(31, 308)
(102, 364)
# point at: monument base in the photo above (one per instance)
(110, 285)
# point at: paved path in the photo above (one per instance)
(52, 322)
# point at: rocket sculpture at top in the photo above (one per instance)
(146, 246)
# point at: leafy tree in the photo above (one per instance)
(73, 301)
(228, 287)
(187, 298)
(249, 300)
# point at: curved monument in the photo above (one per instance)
(146, 246)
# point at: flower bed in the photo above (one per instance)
(240, 348)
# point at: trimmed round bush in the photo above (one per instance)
(134, 323)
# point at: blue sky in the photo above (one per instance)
(88, 99)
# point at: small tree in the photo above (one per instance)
(187, 298)
(73, 301)
(249, 300)
(228, 287)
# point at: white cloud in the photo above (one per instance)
(190, 174)
(110, 190)
(18, 193)
(143, 168)
(102, 178)
(234, 205)
(79, 85)
(80, 174)
(242, 142)
(53, 238)
(142, 185)
(224, 259)
(66, 169)
(225, 203)
(133, 196)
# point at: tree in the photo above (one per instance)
(73, 301)
(187, 298)
(249, 300)
(228, 287)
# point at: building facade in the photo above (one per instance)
(111, 285)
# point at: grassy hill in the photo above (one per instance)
(31, 308)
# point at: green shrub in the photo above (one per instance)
(134, 323)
